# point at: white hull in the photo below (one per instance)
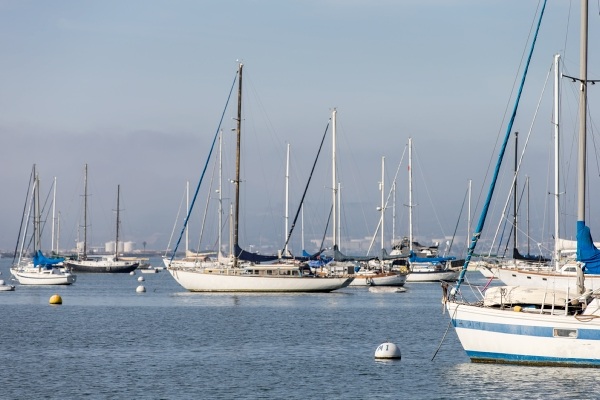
(558, 280)
(230, 280)
(506, 336)
(382, 279)
(36, 276)
(487, 272)
(436, 276)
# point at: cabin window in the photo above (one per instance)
(566, 333)
(269, 272)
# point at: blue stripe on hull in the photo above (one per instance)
(525, 330)
(484, 357)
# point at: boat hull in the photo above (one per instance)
(433, 276)
(385, 279)
(43, 277)
(492, 335)
(198, 280)
(563, 281)
(102, 266)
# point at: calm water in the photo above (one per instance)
(108, 342)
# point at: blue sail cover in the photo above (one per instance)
(586, 251)
(414, 258)
(40, 259)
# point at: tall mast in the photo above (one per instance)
(287, 194)
(582, 113)
(410, 205)
(334, 177)
(85, 196)
(117, 234)
(187, 207)
(382, 187)
(515, 191)
(54, 217)
(556, 158)
(237, 169)
(36, 214)
(220, 189)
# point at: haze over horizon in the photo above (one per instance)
(136, 90)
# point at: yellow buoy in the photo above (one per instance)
(517, 308)
(55, 299)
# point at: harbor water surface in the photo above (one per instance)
(106, 341)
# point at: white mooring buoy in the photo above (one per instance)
(132, 273)
(140, 289)
(141, 279)
(388, 351)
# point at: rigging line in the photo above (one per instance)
(486, 205)
(175, 224)
(387, 200)
(212, 179)
(515, 174)
(507, 105)
(305, 189)
(204, 170)
(23, 216)
(458, 220)
(445, 333)
(437, 217)
(326, 228)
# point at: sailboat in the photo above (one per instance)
(425, 269)
(39, 270)
(562, 272)
(104, 263)
(246, 274)
(527, 325)
(380, 272)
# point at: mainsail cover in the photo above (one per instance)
(339, 256)
(41, 259)
(529, 257)
(244, 255)
(586, 251)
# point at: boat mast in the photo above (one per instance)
(382, 187)
(334, 177)
(117, 234)
(287, 194)
(556, 158)
(54, 217)
(36, 214)
(515, 191)
(237, 169)
(582, 114)
(410, 224)
(220, 189)
(187, 217)
(85, 196)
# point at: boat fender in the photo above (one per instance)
(517, 308)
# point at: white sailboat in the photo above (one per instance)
(424, 269)
(247, 276)
(535, 326)
(104, 263)
(39, 270)
(380, 272)
(563, 273)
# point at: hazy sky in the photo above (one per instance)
(136, 89)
